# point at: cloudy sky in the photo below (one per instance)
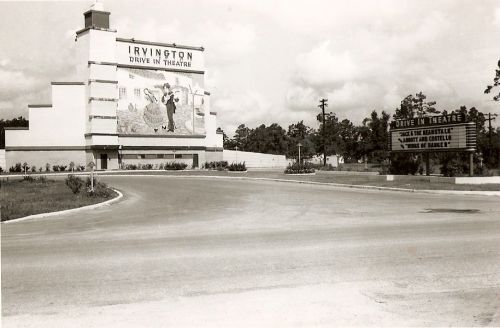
(272, 60)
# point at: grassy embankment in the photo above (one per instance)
(326, 177)
(19, 198)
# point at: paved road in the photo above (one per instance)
(212, 252)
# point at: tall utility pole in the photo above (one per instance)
(322, 105)
(489, 134)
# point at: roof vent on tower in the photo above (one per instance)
(96, 17)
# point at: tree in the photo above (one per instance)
(333, 141)
(375, 139)
(487, 141)
(241, 137)
(300, 132)
(496, 83)
(15, 122)
(415, 106)
(226, 141)
(268, 140)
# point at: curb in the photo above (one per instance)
(72, 210)
(340, 185)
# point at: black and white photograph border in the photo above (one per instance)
(250, 164)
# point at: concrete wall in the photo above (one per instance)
(477, 180)
(213, 156)
(2, 160)
(41, 158)
(63, 124)
(55, 134)
(255, 160)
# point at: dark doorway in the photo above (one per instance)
(104, 161)
(195, 160)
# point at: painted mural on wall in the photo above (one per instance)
(160, 103)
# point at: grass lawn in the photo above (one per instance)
(19, 198)
(351, 179)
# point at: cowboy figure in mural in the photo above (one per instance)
(169, 101)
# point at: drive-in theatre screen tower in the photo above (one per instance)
(133, 102)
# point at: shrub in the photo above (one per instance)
(452, 168)
(145, 166)
(219, 165)
(1, 169)
(297, 168)
(47, 167)
(237, 167)
(384, 168)
(40, 169)
(87, 183)
(404, 164)
(72, 166)
(62, 168)
(74, 183)
(130, 167)
(175, 166)
(16, 168)
(100, 189)
(161, 167)
(81, 168)
(33, 169)
(55, 168)
(29, 178)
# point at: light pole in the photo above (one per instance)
(300, 145)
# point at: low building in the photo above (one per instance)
(133, 102)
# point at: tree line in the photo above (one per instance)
(367, 141)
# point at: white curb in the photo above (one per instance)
(73, 210)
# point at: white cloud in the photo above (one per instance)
(267, 65)
(248, 107)
(497, 17)
(321, 68)
(15, 83)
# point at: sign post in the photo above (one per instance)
(91, 164)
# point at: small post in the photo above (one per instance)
(427, 164)
(91, 164)
(471, 164)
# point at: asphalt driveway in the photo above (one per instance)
(211, 252)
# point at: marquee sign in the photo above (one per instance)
(433, 133)
(142, 54)
(428, 121)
